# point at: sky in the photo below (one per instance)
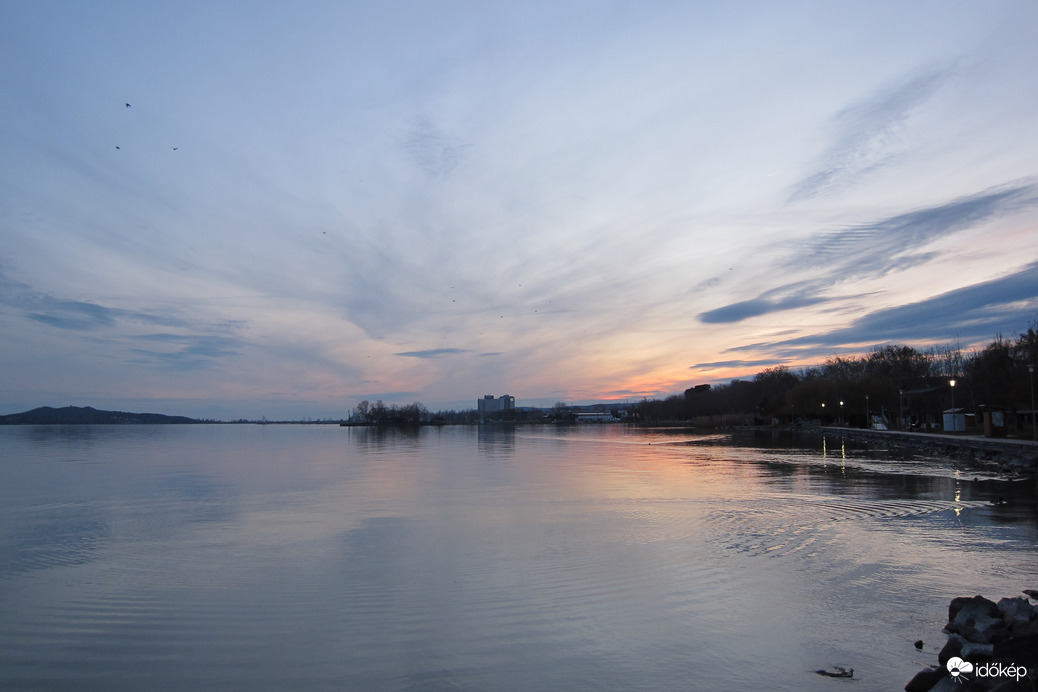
(244, 209)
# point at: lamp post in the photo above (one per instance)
(952, 383)
(868, 420)
(841, 412)
(1034, 422)
(901, 404)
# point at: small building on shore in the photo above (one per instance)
(595, 417)
(955, 420)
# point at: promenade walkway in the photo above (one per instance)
(1017, 456)
(940, 437)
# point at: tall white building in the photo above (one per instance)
(488, 404)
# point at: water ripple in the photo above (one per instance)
(792, 525)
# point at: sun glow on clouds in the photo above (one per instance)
(407, 203)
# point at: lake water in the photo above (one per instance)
(307, 557)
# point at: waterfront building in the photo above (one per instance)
(489, 407)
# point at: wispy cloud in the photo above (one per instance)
(767, 362)
(975, 312)
(72, 314)
(432, 353)
(192, 349)
(75, 315)
(872, 250)
(879, 247)
(745, 309)
(187, 351)
(435, 152)
(374, 303)
(866, 136)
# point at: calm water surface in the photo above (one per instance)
(589, 558)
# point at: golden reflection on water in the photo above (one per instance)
(843, 453)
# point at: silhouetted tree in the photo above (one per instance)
(360, 411)
(773, 387)
(991, 374)
(699, 401)
(901, 364)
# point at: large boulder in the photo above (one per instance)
(977, 603)
(972, 651)
(952, 649)
(1021, 651)
(958, 646)
(925, 680)
(1016, 612)
(1026, 629)
(977, 619)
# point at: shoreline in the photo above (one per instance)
(1014, 457)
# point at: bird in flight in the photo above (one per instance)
(175, 148)
(116, 147)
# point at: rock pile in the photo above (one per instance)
(991, 646)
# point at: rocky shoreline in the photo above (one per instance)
(991, 647)
(1010, 458)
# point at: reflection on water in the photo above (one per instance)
(590, 557)
(496, 440)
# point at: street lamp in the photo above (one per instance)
(868, 420)
(841, 412)
(1034, 422)
(952, 383)
(901, 404)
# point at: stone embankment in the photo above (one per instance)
(1012, 457)
(991, 646)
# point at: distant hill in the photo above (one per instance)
(86, 415)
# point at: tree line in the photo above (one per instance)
(378, 413)
(382, 414)
(893, 381)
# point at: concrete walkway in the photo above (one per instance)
(939, 437)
